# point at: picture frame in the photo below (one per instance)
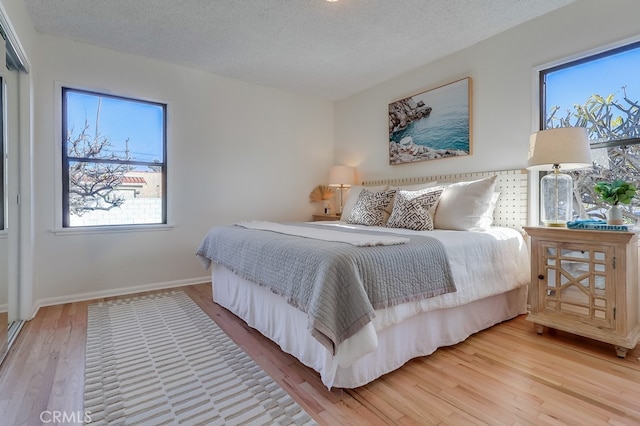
(431, 125)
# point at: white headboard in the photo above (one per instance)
(511, 210)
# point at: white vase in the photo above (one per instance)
(614, 216)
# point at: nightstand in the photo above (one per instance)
(586, 282)
(321, 217)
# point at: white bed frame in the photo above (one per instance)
(416, 336)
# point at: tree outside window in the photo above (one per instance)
(114, 167)
(602, 93)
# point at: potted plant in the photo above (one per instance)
(614, 193)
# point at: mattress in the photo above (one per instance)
(491, 273)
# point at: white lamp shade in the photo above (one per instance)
(342, 176)
(565, 146)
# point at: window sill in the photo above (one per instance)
(110, 229)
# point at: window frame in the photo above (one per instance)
(590, 57)
(540, 109)
(65, 161)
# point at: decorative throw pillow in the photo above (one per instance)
(411, 209)
(369, 208)
(351, 196)
(413, 187)
(462, 205)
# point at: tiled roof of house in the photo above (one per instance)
(133, 179)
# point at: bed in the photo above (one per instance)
(489, 269)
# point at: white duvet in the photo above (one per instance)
(483, 264)
(498, 257)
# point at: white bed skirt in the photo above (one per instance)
(369, 354)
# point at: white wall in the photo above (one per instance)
(239, 151)
(236, 151)
(504, 104)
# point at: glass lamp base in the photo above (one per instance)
(556, 199)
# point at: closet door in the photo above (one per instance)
(5, 257)
(9, 135)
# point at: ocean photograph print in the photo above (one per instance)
(431, 125)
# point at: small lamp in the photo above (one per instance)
(342, 177)
(566, 147)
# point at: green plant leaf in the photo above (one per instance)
(615, 192)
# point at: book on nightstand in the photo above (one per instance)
(598, 225)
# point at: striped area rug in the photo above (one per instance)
(159, 359)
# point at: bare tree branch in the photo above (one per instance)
(93, 185)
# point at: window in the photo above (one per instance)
(113, 160)
(602, 93)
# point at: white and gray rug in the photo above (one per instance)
(160, 359)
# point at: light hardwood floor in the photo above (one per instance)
(504, 375)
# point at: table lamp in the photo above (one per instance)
(342, 177)
(567, 148)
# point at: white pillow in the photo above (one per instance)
(351, 196)
(487, 217)
(415, 187)
(463, 205)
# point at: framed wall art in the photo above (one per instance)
(431, 125)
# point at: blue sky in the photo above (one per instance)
(141, 122)
(603, 77)
(120, 119)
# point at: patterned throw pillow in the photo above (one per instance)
(369, 208)
(411, 209)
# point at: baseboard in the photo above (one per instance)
(50, 301)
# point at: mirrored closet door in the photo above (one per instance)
(4, 237)
(10, 70)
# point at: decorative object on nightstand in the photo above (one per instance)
(614, 193)
(597, 224)
(322, 193)
(586, 282)
(566, 147)
(342, 177)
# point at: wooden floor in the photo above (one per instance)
(505, 375)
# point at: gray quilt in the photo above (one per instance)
(337, 285)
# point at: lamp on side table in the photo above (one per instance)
(342, 177)
(566, 147)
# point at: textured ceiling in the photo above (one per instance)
(312, 47)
